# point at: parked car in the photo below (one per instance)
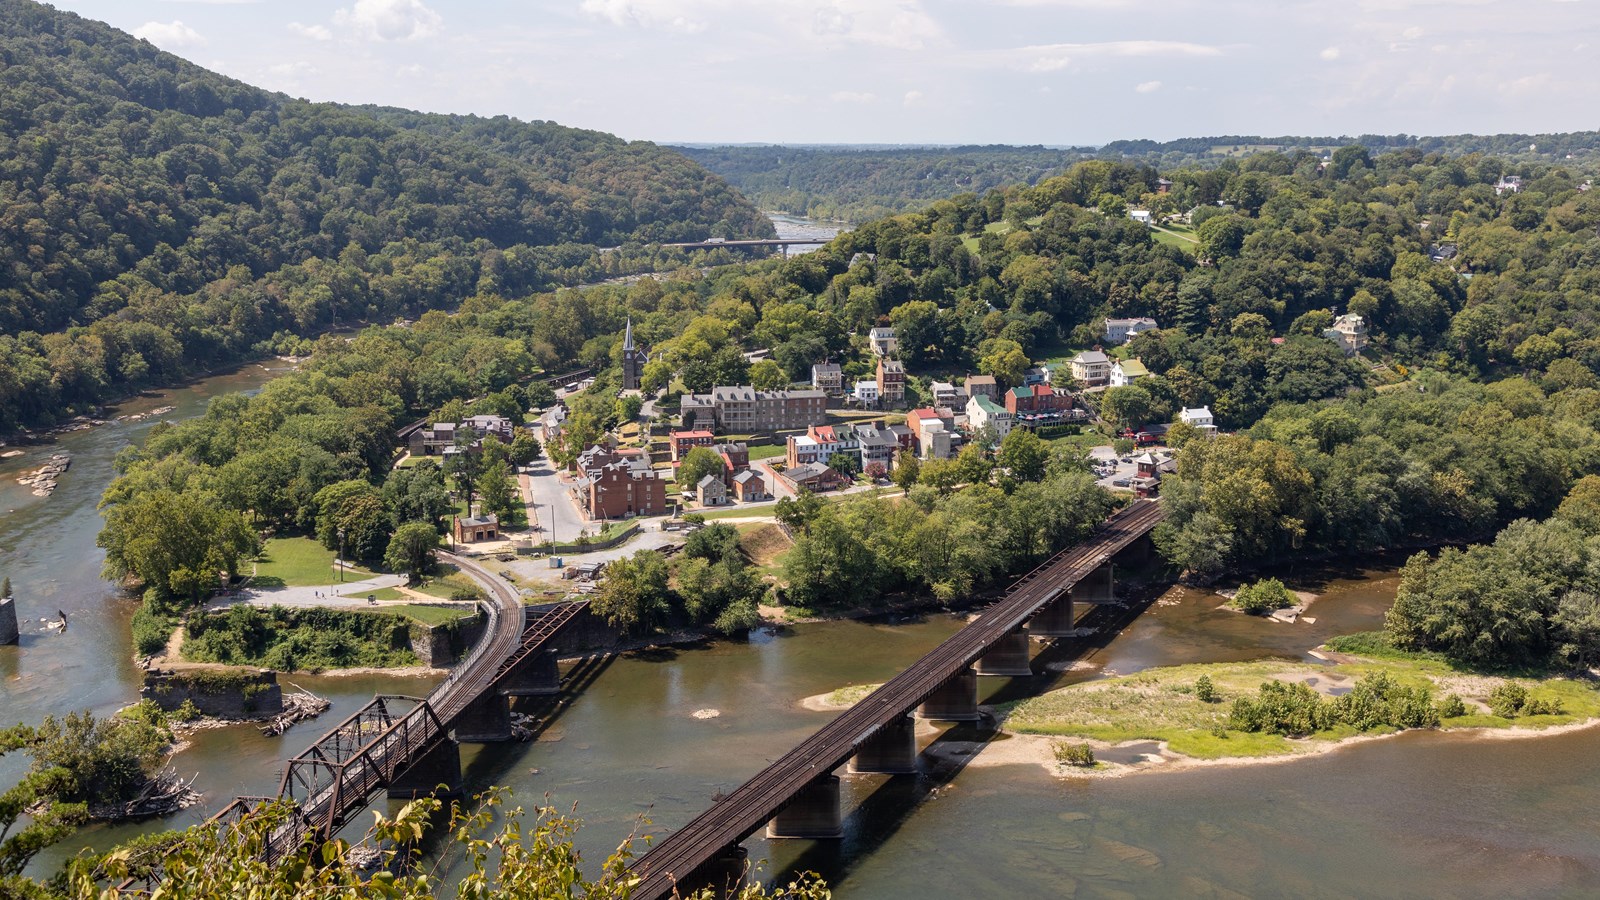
(1122, 482)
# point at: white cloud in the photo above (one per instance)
(852, 97)
(1148, 87)
(1045, 58)
(390, 20)
(913, 98)
(172, 35)
(313, 32)
(898, 24)
(667, 15)
(215, 2)
(1329, 53)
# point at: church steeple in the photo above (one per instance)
(627, 337)
(632, 360)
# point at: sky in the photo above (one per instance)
(1054, 72)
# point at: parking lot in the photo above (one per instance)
(1116, 472)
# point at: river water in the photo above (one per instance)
(659, 734)
(802, 228)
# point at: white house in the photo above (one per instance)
(1119, 330)
(1349, 331)
(866, 392)
(1199, 417)
(945, 394)
(1091, 367)
(1126, 371)
(884, 342)
(981, 411)
(1142, 216)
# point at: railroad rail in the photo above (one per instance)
(688, 850)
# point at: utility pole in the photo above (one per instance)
(340, 560)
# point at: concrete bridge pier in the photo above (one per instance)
(954, 701)
(537, 676)
(892, 750)
(1055, 619)
(9, 633)
(485, 720)
(1010, 656)
(423, 778)
(725, 875)
(1098, 588)
(813, 814)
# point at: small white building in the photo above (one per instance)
(982, 412)
(1508, 184)
(884, 342)
(1142, 216)
(1119, 330)
(1126, 371)
(1349, 331)
(1091, 367)
(866, 392)
(1199, 417)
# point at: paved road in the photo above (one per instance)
(549, 493)
(313, 595)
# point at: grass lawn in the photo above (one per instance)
(1160, 704)
(431, 615)
(300, 562)
(1163, 236)
(739, 512)
(767, 451)
(1086, 441)
(379, 594)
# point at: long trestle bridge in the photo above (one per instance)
(409, 746)
(798, 795)
(782, 243)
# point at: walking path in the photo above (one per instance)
(314, 595)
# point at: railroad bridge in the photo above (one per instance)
(782, 243)
(409, 746)
(798, 795)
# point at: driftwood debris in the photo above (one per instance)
(302, 704)
(162, 795)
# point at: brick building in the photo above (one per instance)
(617, 485)
(684, 441)
(891, 381)
(744, 410)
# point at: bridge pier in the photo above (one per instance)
(439, 766)
(813, 814)
(1097, 589)
(1055, 619)
(485, 720)
(892, 750)
(954, 701)
(1010, 656)
(537, 676)
(724, 875)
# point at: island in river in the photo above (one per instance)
(1177, 717)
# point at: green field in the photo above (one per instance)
(300, 562)
(766, 451)
(431, 615)
(1172, 238)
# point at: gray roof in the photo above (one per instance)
(709, 479)
(747, 476)
(807, 471)
(490, 519)
(1091, 356)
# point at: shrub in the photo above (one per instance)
(151, 631)
(1451, 706)
(1204, 690)
(1264, 596)
(1542, 708)
(466, 593)
(1507, 699)
(186, 712)
(1081, 755)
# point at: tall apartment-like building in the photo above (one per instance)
(742, 409)
(891, 381)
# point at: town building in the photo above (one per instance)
(1142, 216)
(616, 484)
(431, 440)
(1508, 184)
(814, 477)
(552, 423)
(934, 433)
(1199, 417)
(1126, 371)
(749, 486)
(866, 393)
(735, 459)
(828, 377)
(711, 491)
(1038, 398)
(684, 441)
(473, 529)
(1091, 367)
(1163, 186)
(434, 439)
(1036, 375)
(1349, 331)
(891, 382)
(985, 413)
(744, 410)
(946, 394)
(982, 386)
(633, 360)
(1119, 330)
(884, 342)
(799, 449)
(877, 444)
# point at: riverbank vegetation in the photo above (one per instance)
(1281, 707)
(712, 583)
(305, 640)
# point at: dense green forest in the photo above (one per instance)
(857, 184)
(157, 218)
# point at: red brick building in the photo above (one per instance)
(684, 441)
(616, 485)
(891, 382)
(1037, 398)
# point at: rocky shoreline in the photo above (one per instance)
(43, 479)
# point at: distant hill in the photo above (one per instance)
(185, 217)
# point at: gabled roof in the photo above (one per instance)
(1132, 368)
(709, 479)
(1091, 357)
(745, 477)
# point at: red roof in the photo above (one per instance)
(691, 435)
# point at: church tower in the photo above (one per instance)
(632, 360)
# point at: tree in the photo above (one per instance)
(1023, 455)
(697, 464)
(907, 469)
(876, 470)
(1262, 597)
(464, 468)
(1003, 359)
(713, 543)
(845, 464)
(417, 493)
(1129, 406)
(412, 549)
(767, 375)
(1221, 236)
(355, 508)
(634, 596)
(176, 543)
(627, 408)
(500, 495)
(973, 465)
(799, 511)
(1582, 505)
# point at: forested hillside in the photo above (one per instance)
(156, 218)
(858, 184)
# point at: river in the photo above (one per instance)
(1424, 814)
(801, 228)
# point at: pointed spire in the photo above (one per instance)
(627, 337)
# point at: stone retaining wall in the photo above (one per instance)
(223, 693)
